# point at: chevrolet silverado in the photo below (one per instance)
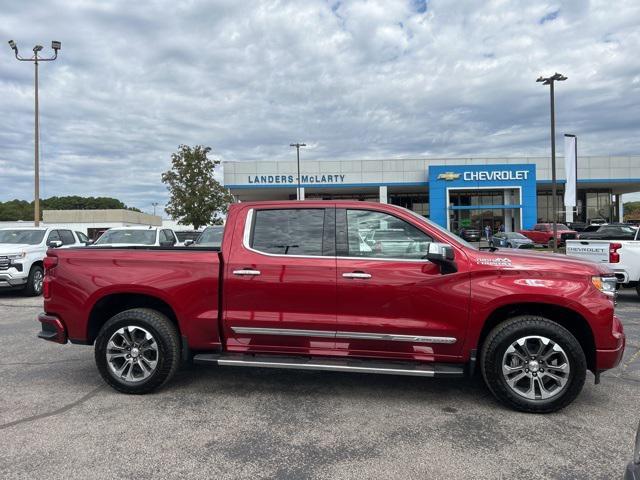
(296, 285)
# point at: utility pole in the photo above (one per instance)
(55, 45)
(298, 145)
(556, 77)
(155, 204)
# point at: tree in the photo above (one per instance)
(195, 196)
(13, 210)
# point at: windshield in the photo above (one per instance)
(29, 237)
(449, 235)
(136, 237)
(211, 236)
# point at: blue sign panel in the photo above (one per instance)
(474, 177)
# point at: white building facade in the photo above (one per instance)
(454, 192)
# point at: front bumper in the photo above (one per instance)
(611, 358)
(11, 280)
(52, 328)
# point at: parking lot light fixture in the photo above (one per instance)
(298, 145)
(36, 59)
(556, 77)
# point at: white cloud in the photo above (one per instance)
(353, 78)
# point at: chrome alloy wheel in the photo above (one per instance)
(535, 368)
(38, 278)
(132, 354)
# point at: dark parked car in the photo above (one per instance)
(610, 232)
(510, 240)
(185, 235)
(470, 234)
(633, 469)
(577, 226)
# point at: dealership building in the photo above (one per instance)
(454, 192)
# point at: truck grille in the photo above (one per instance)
(4, 263)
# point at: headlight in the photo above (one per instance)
(17, 256)
(606, 285)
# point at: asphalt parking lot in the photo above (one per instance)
(58, 420)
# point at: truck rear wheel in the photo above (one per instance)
(533, 364)
(137, 350)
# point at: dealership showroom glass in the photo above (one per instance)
(502, 193)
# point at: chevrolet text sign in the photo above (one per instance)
(495, 175)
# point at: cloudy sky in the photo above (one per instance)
(354, 79)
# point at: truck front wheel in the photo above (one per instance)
(533, 364)
(33, 288)
(137, 350)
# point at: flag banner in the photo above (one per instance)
(570, 163)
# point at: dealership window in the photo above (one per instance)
(598, 205)
(379, 235)
(417, 202)
(545, 206)
(289, 231)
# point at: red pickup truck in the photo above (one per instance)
(542, 234)
(299, 285)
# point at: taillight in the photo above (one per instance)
(614, 256)
(49, 263)
(46, 287)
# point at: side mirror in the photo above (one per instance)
(442, 254)
(54, 243)
(188, 242)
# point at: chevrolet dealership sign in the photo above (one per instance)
(488, 175)
(493, 175)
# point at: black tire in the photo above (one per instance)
(167, 352)
(504, 335)
(33, 288)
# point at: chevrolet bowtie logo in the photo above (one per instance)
(448, 176)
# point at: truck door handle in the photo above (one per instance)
(356, 275)
(246, 271)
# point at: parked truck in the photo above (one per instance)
(295, 286)
(542, 234)
(621, 256)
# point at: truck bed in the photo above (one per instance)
(187, 278)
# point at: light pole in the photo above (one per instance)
(556, 77)
(298, 145)
(55, 45)
(155, 204)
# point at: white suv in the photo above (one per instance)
(138, 237)
(22, 251)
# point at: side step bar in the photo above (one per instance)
(332, 364)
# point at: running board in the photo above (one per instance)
(332, 364)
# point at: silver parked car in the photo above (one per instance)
(510, 240)
(210, 237)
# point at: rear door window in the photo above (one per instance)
(289, 231)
